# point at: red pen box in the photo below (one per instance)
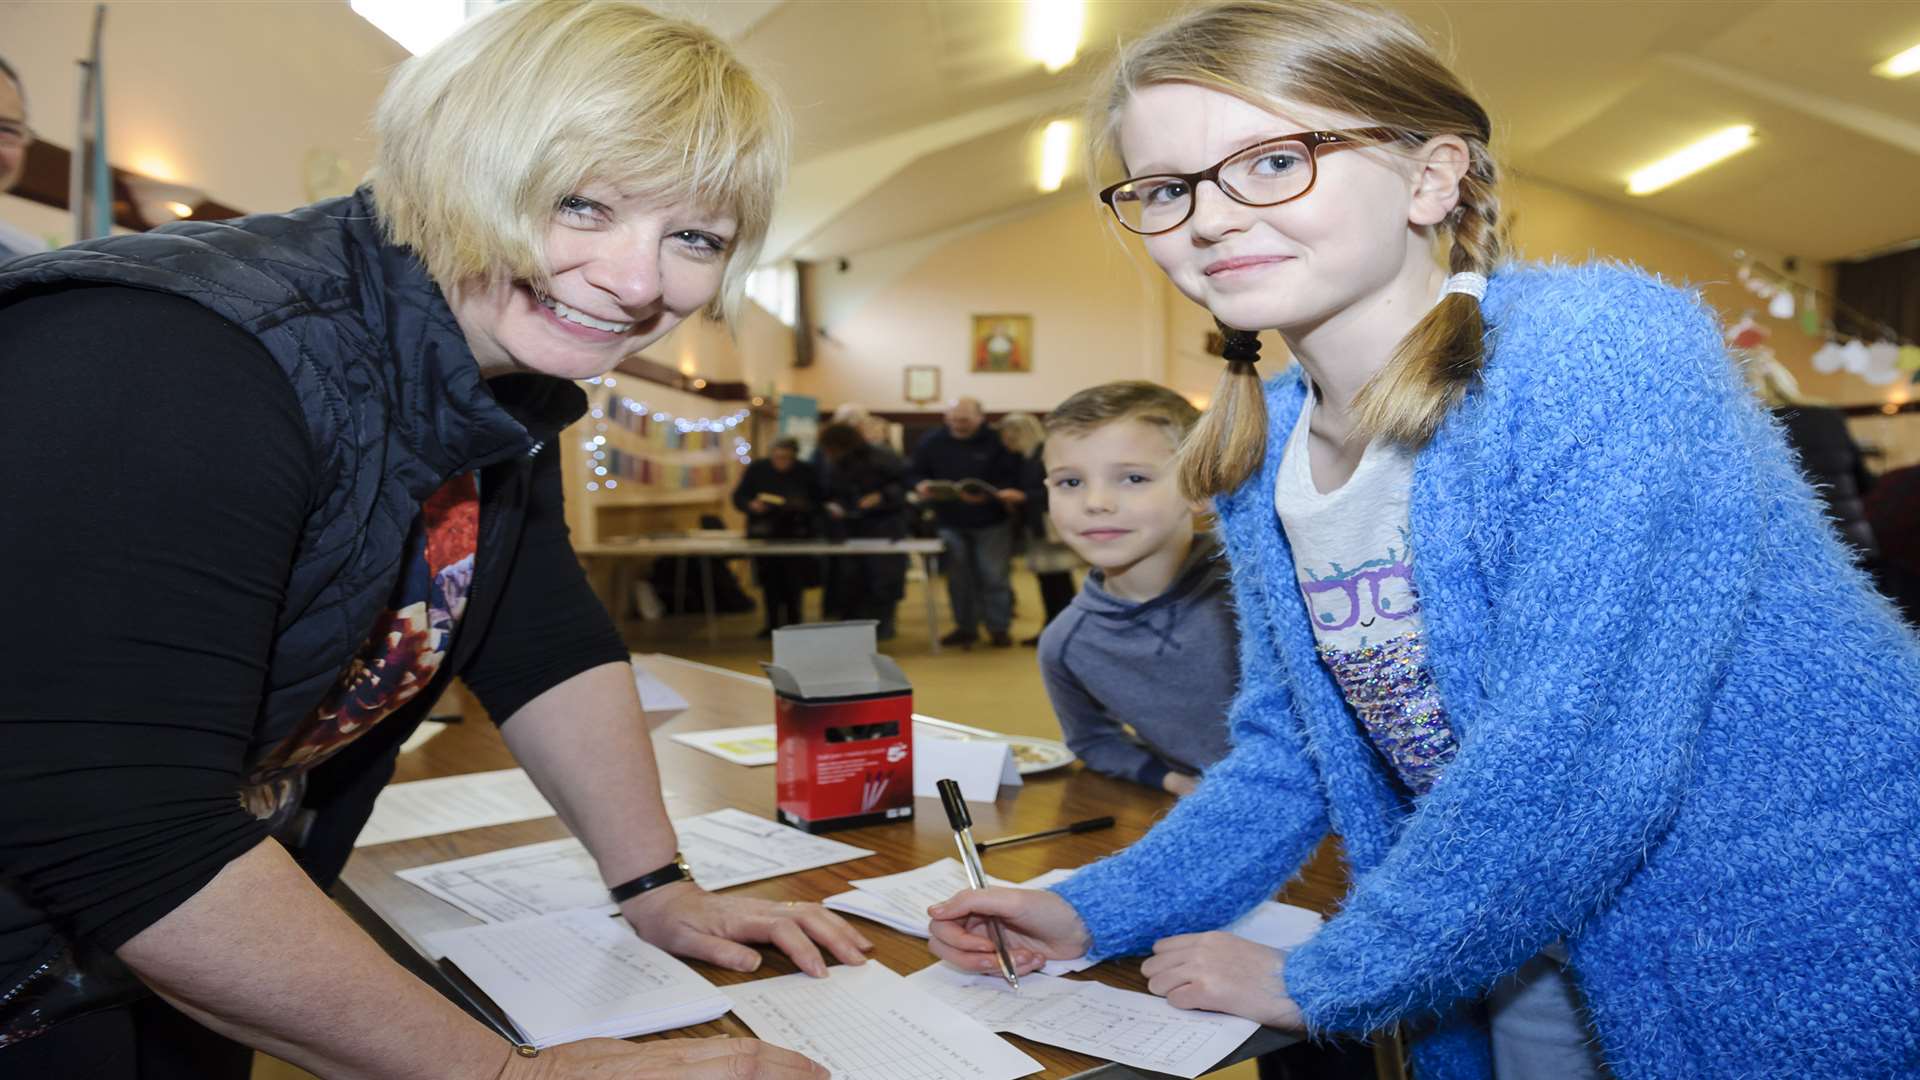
(843, 716)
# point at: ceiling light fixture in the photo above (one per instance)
(1053, 154)
(1053, 31)
(418, 25)
(1899, 65)
(1681, 164)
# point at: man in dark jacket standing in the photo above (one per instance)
(974, 522)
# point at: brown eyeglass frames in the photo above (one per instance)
(1268, 173)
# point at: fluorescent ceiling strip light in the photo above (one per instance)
(1053, 154)
(1053, 31)
(1900, 65)
(1676, 167)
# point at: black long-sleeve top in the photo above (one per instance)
(158, 471)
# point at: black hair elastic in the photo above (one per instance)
(1242, 345)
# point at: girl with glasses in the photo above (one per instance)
(1536, 613)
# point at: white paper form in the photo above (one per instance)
(755, 744)
(580, 975)
(901, 901)
(452, 803)
(724, 848)
(1103, 1021)
(868, 1023)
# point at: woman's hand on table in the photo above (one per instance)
(1226, 973)
(1039, 926)
(667, 1059)
(689, 921)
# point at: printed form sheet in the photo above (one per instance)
(724, 848)
(1103, 1021)
(452, 803)
(868, 1023)
(580, 975)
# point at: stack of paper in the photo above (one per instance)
(724, 848)
(867, 1023)
(1103, 1021)
(579, 975)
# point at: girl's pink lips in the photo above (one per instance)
(1243, 262)
(1103, 534)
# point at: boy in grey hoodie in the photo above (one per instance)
(1142, 665)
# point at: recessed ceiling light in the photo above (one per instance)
(1053, 154)
(1899, 65)
(1683, 163)
(1053, 31)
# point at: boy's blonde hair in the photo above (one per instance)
(481, 137)
(1132, 399)
(1359, 61)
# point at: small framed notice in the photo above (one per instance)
(922, 384)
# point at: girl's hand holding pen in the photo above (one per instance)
(1038, 924)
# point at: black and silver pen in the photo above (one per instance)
(1088, 825)
(962, 822)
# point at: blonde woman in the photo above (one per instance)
(1051, 561)
(272, 483)
(1535, 612)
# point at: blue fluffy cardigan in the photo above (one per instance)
(1689, 730)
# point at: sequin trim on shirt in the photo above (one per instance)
(1391, 690)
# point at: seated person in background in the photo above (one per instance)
(780, 494)
(1142, 664)
(866, 499)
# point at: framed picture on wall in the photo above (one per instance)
(1003, 343)
(922, 384)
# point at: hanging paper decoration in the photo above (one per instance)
(1810, 316)
(1829, 358)
(1909, 359)
(1781, 306)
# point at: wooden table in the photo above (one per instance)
(397, 913)
(707, 546)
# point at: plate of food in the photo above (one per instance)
(1031, 755)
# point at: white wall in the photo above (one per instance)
(227, 96)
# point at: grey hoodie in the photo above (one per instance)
(1142, 689)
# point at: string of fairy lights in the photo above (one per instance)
(680, 452)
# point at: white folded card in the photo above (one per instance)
(979, 766)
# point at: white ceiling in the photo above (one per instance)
(918, 115)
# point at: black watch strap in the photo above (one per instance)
(677, 870)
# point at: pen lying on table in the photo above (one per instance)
(1089, 825)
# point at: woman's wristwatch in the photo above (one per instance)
(677, 870)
